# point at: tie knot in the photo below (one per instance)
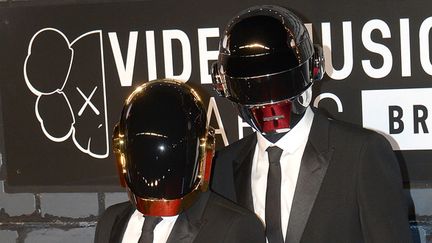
(150, 223)
(274, 154)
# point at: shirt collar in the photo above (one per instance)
(291, 141)
(141, 217)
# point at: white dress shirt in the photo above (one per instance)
(134, 227)
(293, 144)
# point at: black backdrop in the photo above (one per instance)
(66, 69)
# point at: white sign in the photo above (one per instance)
(402, 115)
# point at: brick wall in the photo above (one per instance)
(51, 217)
(72, 217)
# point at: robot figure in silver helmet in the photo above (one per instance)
(305, 175)
(267, 64)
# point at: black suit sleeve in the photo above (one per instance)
(245, 228)
(227, 222)
(105, 224)
(383, 210)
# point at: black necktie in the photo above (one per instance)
(273, 197)
(150, 223)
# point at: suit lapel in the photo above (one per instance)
(242, 168)
(313, 168)
(189, 222)
(120, 224)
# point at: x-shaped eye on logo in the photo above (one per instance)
(87, 102)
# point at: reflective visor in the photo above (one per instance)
(268, 88)
(165, 169)
(163, 128)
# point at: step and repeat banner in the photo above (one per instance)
(65, 71)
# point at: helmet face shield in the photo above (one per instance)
(268, 88)
(162, 129)
(163, 143)
(165, 169)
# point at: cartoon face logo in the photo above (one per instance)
(69, 82)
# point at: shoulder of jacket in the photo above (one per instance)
(237, 144)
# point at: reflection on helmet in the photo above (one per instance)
(267, 57)
(163, 147)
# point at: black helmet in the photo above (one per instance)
(266, 56)
(163, 147)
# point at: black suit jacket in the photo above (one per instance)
(349, 187)
(212, 219)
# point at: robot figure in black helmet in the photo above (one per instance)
(164, 150)
(308, 177)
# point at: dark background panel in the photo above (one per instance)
(35, 163)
